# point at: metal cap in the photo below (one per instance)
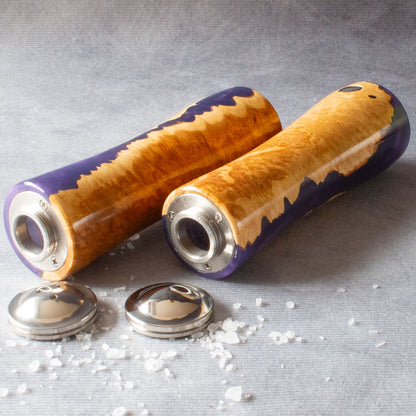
(53, 310)
(169, 310)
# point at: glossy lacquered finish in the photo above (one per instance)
(61, 221)
(345, 139)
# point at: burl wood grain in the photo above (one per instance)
(340, 133)
(126, 195)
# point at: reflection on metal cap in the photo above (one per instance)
(53, 310)
(169, 310)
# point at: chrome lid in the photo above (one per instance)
(53, 310)
(169, 310)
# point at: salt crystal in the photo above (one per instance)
(376, 286)
(212, 327)
(284, 339)
(373, 331)
(322, 338)
(117, 375)
(328, 379)
(224, 382)
(34, 366)
(129, 385)
(222, 362)
(274, 335)
(119, 289)
(3, 392)
(167, 372)
(259, 302)
(227, 337)
(282, 366)
(124, 336)
(130, 245)
(168, 354)
(53, 376)
(49, 353)
(299, 339)
(105, 347)
(119, 411)
(144, 412)
(230, 325)
(290, 335)
(229, 368)
(58, 349)
(22, 388)
(290, 305)
(237, 306)
(341, 290)
(153, 364)
(234, 393)
(260, 318)
(56, 362)
(381, 344)
(116, 354)
(352, 322)
(22, 403)
(134, 237)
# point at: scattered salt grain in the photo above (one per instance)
(22, 388)
(154, 364)
(3, 392)
(299, 339)
(228, 337)
(129, 385)
(224, 382)
(134, 237)
(322, 338)
(167, 372)
(53, 376)
(116, 354)
(260, 318)
(236, 306)
(145, 412)
(328, 379)
(119, 411)
(124, 336)
(259, 301)
(34, 366)
(105, 347)
(353, 322)
(341, 290)
(49, 354)
(168, 354)
(381, 344)
(234, 393)
(130, 245)
(229, 368)
(376, 286)
(373, 331)
(290, 305)
(119, 289)
(56, 362)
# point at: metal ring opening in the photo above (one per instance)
(196, 238)
(33, 236)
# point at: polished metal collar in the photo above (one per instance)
(37, 232)
(199, 233)
(53, 310)
(169, 310)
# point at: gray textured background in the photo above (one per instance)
(79, 77)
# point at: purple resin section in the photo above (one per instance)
(312, 195)
(67, 177)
